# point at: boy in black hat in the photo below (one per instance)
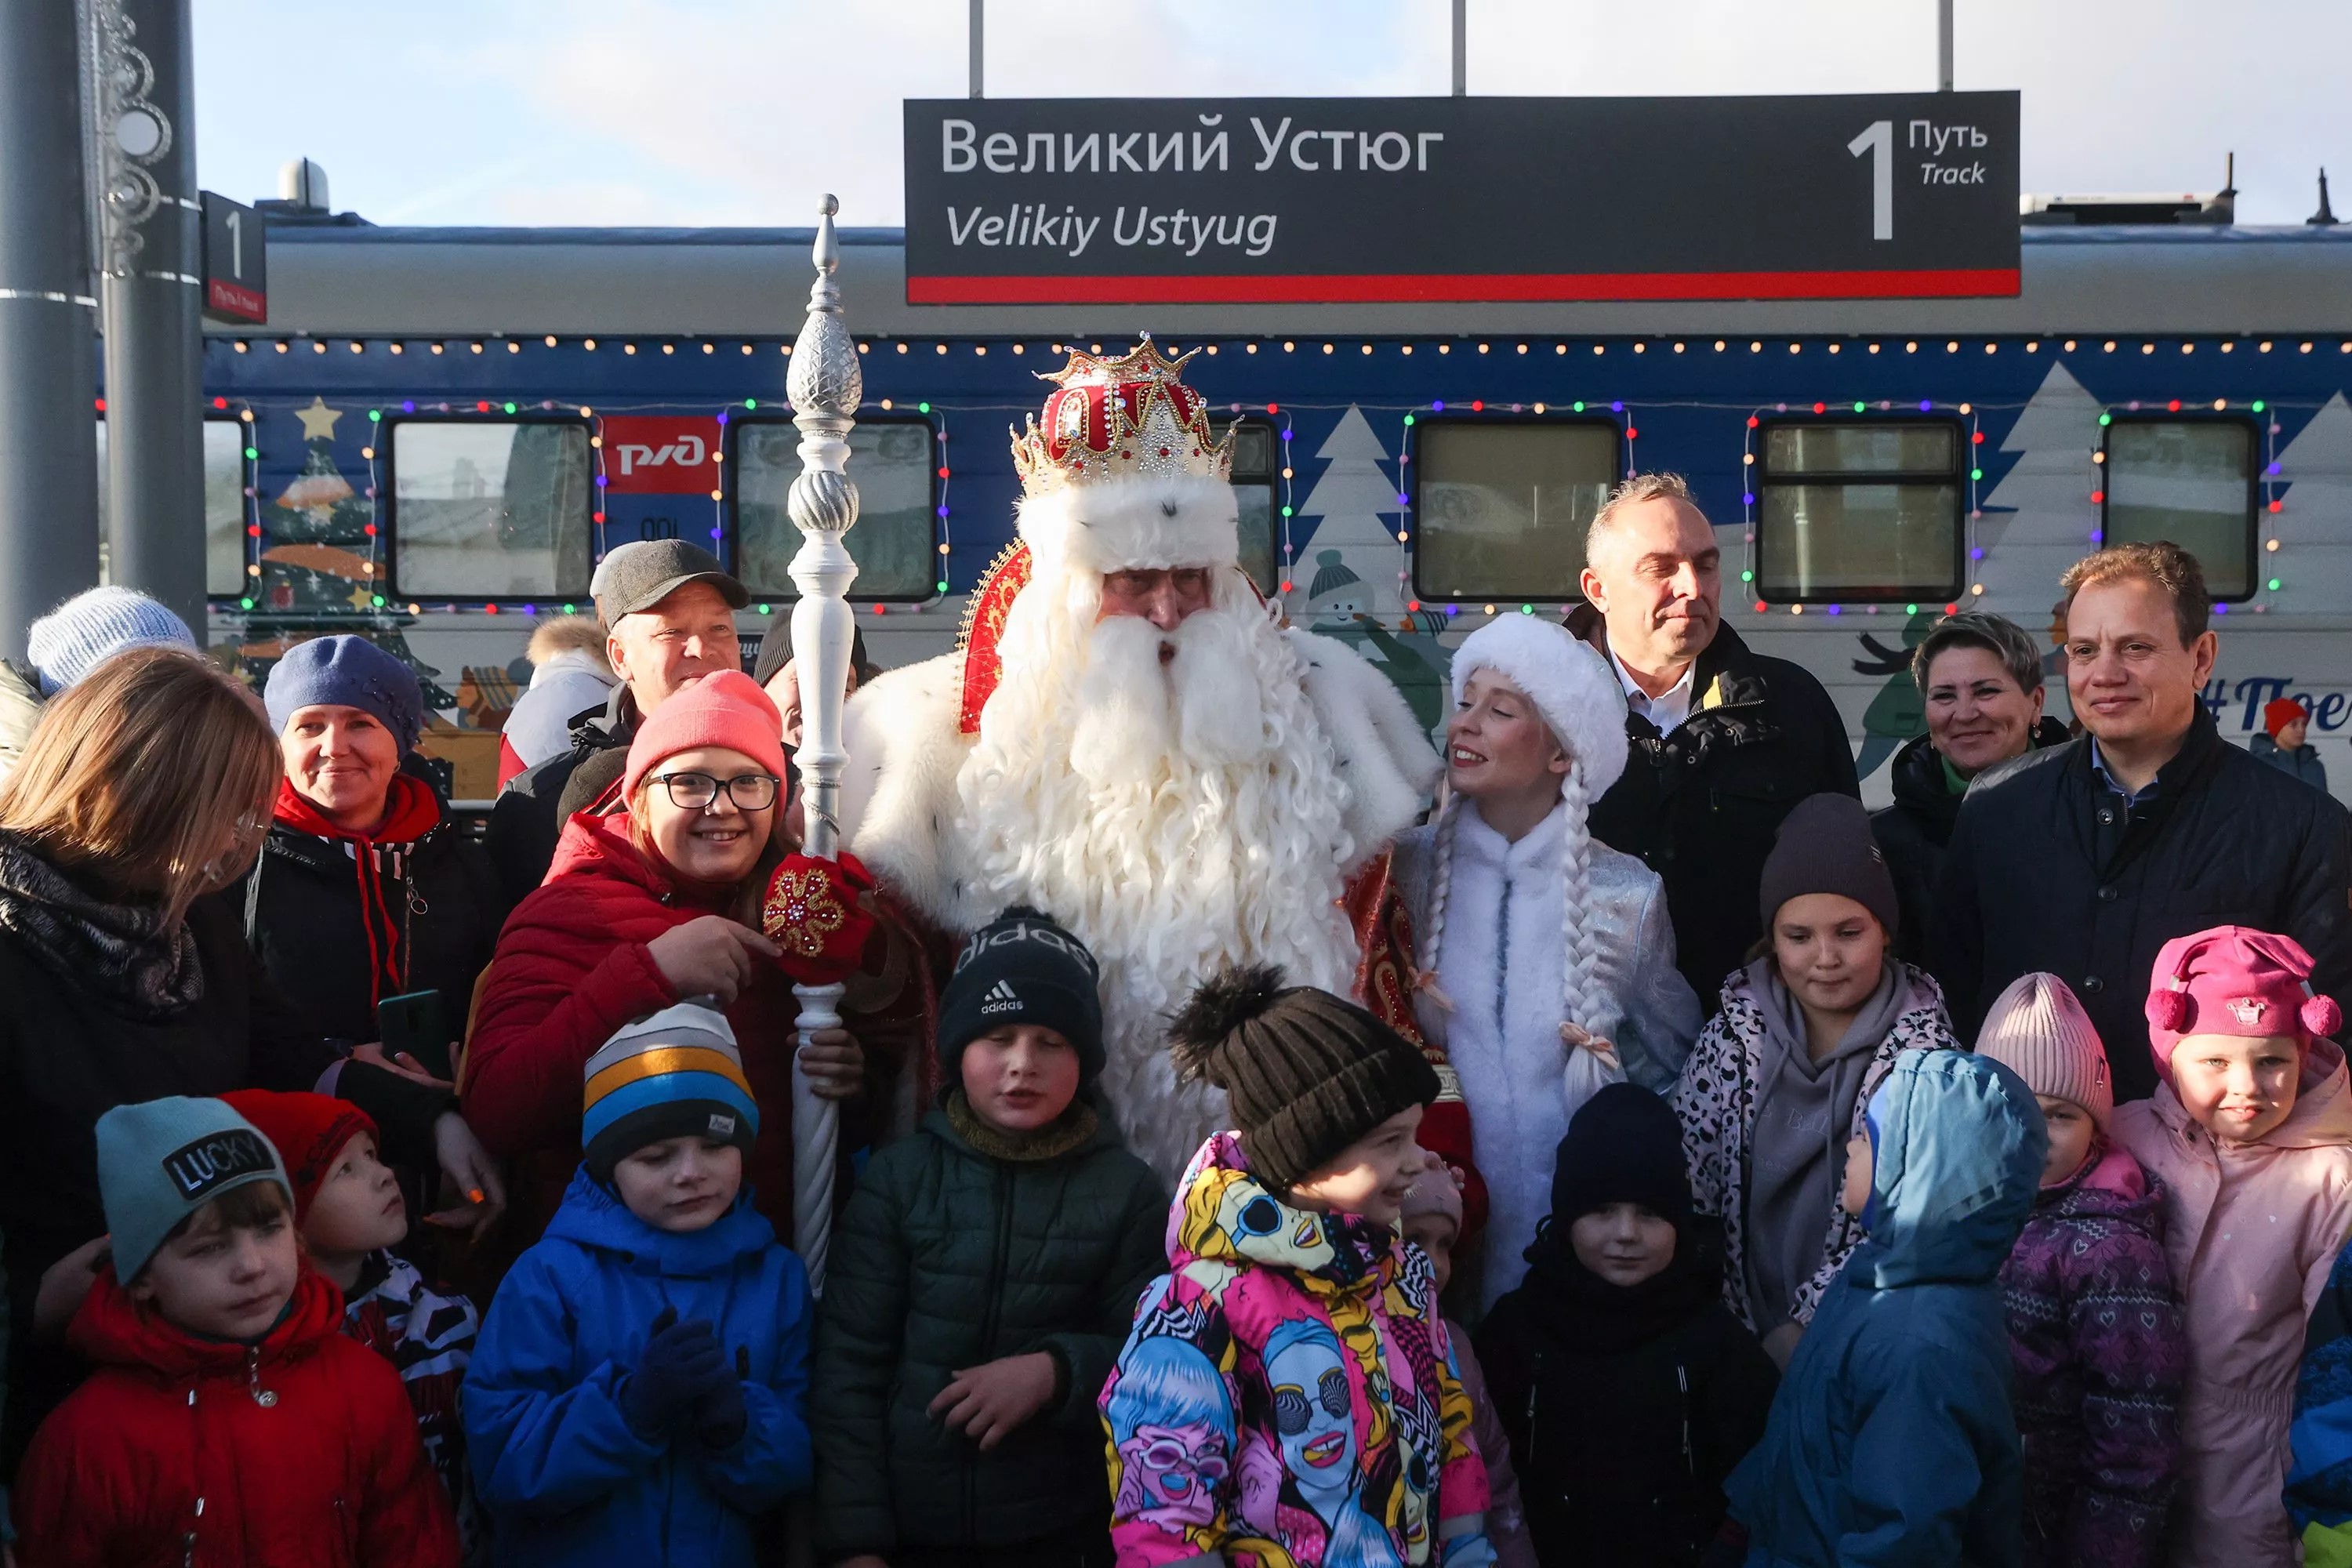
(982, 1276)
(1627, 1387)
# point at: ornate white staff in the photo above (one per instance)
(825, 388)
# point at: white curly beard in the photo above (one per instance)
(1177, 816)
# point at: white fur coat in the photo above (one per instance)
(1501, 964)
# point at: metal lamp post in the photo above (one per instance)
(825, 387)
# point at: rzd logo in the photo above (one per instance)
(685, 452)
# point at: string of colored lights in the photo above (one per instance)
(1975, 550)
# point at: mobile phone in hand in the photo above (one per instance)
(415, 1023)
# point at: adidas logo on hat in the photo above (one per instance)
(1000, 998)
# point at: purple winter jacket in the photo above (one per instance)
(2095, 1330)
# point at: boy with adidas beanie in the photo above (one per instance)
(2095, 1329)
(638, 1392)
(982, 1276)
(228, 1422)
(1289, 1391)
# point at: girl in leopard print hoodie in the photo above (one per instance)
(1779, 1079)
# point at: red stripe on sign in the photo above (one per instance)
(1400, 288)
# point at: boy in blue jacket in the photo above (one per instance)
(638, 1392)
(1892, 1440)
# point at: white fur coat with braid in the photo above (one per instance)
(1502, 964)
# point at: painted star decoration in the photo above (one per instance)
(317, 420)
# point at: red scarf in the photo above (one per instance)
(411, 811)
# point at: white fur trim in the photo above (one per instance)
(898, 791)
(1569, 683)
(1133, 525)
(1379, 746)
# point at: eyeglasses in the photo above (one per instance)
(699, 791)
(1293, 1411)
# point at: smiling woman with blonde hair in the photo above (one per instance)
(1546, 959)
(145, 789)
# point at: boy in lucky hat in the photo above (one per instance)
(2251, 1133)
(228, 1423)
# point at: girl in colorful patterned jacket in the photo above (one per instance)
(2251, 1133)
(2093, 1326)
(1778, 1084)
(1288, 1396)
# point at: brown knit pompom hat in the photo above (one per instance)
(1307, 1073)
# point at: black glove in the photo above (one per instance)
(681, 1363)
(720, 1418)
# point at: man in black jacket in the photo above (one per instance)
(669, 609)
(1725, 741)
(2085, 859)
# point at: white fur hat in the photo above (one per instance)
(1570, 684)
(1133, 523)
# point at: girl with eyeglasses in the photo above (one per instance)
(643, 908)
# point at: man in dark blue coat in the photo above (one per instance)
(2085, 859)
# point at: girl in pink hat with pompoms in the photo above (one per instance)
(2251, 1133)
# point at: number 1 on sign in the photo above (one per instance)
(1878, 141)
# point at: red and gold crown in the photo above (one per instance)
(1129, 417)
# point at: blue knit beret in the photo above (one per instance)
(346, 672)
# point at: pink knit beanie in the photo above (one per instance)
(2037, 1029)
(2232, 980)
(1434, 1192)
(723, 709)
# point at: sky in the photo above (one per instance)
(743, 112)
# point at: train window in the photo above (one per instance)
(1854, 510)
(490, 508)
(1258, 495)
(2194, 482)
(1503, 504)
(896, 539)
(224, 511)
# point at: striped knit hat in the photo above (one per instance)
(676, 1074)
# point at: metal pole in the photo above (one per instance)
(1461, 48)
(1944, 46)
(977, 74)
(152, 293)
(825, 387)
(48, 440)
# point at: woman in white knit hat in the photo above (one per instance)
(1547, 961)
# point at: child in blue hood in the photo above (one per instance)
(1892, 1439)
(638, 1392)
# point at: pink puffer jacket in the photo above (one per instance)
(2252, 1231)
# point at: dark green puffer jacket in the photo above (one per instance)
(946, 1257)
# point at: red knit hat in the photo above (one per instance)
(308, 1131)
(2254, 984)
(724, 710)
(2280, 711)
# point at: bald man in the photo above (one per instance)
(1725, 741)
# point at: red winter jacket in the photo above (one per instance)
(183, 1452)
(571, 967)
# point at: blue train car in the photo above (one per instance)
(442, 431)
